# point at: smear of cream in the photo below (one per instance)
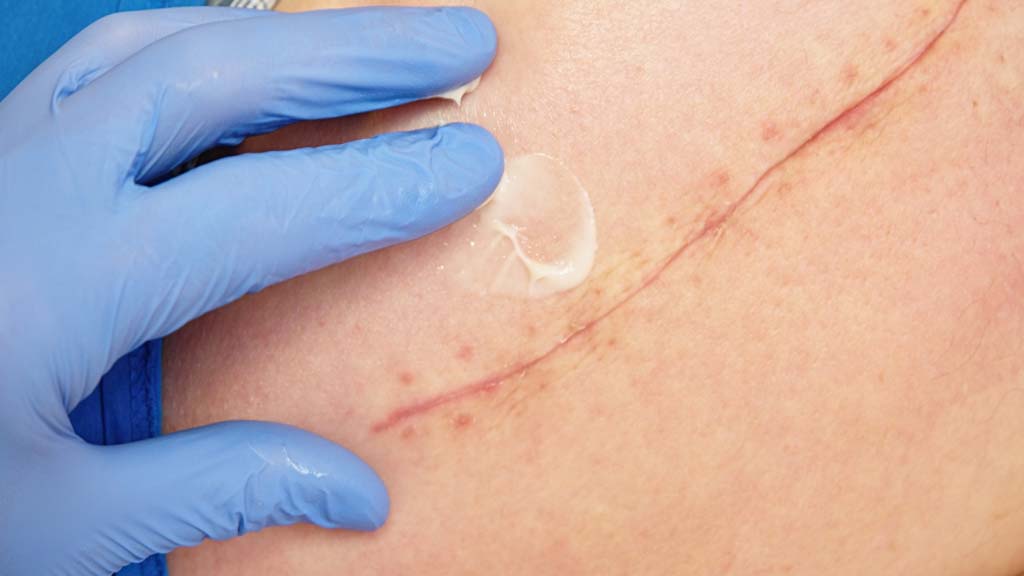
(535, 237)
(457, 94)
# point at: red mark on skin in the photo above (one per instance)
(488, 384)
(721, 178)
(465, 353)
(406, 377)
(850, 74)
(852, 119)
(462, 421)
(711, 225)
(408, 432)
(770, 131)
(890, 44)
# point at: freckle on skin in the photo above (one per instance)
(769, 131)
(406, 377)
(890, 44)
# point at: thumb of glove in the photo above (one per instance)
(219, 481)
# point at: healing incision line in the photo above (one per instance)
(577, 246)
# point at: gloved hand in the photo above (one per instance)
(99, 252)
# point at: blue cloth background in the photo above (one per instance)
(31, 30)
(126, 405)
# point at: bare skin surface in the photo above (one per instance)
(800, 351)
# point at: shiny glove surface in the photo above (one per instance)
(100, 251)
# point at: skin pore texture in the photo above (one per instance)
(799, 349)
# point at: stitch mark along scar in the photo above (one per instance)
(711, 225)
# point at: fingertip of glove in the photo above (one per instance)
(475, 28)
(320, 482)
(445, 173)
(357, 497)
(474, 156)
(359, 501)
(378, 505)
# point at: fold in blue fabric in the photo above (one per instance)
(126, 405)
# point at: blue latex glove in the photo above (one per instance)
(93, 261)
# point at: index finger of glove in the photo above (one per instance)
(218, 83)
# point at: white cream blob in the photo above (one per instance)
(535, 237)
(456, 94)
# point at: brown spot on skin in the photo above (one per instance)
(406, 377)
(670, 221)
(924, 12)
(465, 353)
(850, 74)
(612, 342)
(462, 421)
(770, 131)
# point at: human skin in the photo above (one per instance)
(800, 350)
